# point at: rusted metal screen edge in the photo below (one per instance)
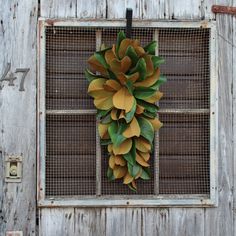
(223, 9)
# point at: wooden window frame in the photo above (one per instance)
(186, 200)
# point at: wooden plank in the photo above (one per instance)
(225, 178)
(234, 117)
(58, 9)
(17, 114)
(182, 10)
(155, 221)
(56, 222)
(151, 9)
(186, 222)
(123, 221)
(90, 221)
(116, 9)
(91, 9)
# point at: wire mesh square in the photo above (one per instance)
(184, 140)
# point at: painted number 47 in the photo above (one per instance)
(9, 77)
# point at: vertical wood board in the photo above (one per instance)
(17, 114)
(222, 217)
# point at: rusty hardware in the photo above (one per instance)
(223, 9)
(10, 78)
(13, 169)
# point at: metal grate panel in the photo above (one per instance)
(184, 142)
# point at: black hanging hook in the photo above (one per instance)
(129, 16)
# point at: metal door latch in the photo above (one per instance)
(13, 169)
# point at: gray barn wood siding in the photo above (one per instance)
(18, 126)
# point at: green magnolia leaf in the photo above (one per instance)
(133, 169)
(130, 52)
(106, 119)
(130, 156)
(142, 92)
(150, 114)
(157, 61)
(102, 113)
(132, 188)
(110, 175)
(129, 116)
(112, 75)
(151, 47)
(121, 36)
(105, 142)
(148, 106)
(162, 79)
(140, 67)
(90, 76)
(145, 175)
(129, 86)
(101, 59)
(115, 131)
(147, 130)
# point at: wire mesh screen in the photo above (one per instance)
(184, 140)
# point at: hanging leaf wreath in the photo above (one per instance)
(125, 87)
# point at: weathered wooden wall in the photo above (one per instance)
(17, 125)
(18, 20)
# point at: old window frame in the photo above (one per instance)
(187, 200)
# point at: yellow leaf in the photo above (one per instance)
(139, 174)
(123, 100)
(119, 160)
(139, 50)
(96, 85)
(139, 109)
(142, 144)
(125, 64)
(112, 85)
(144, 155)
(133, 129)
(134, 77)
(103, 103)
(122, 114)
(149, 81)
(141, 161)
(155, 123)
(128, 178)
(115, 65)
(119, 171)
(114, 114)
(121, 77)
(125, 43)
(109, 56)
(134, 184)
(156, 97)
(103, 131)
(123, 148)
(112, 162)
(110, 148)
(149, 64)
(93, 62)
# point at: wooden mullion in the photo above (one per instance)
(184, 111)
(98, 146)
(156, 140)
(71, 112)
